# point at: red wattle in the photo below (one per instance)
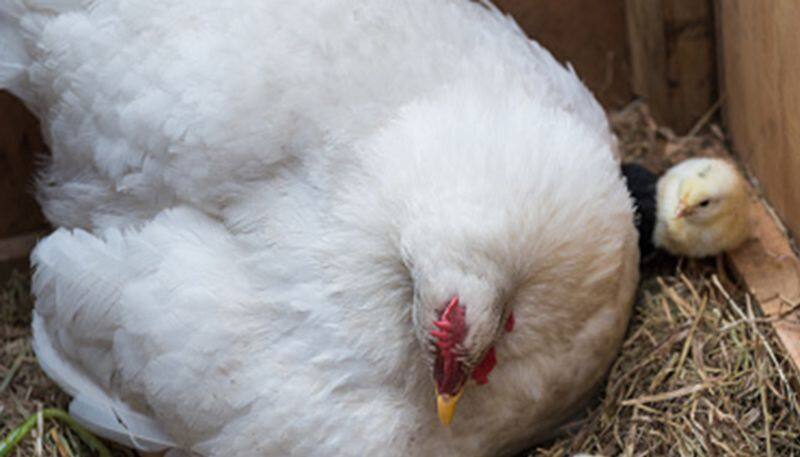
(510, 322)
(481, 372)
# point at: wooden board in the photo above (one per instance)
(645, 21)
(759, 44)
(771, 271)
(14, 253)
(21, 221)
(589, 34)
(672, 58)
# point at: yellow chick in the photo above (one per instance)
(702, 208)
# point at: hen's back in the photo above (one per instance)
(151, 104)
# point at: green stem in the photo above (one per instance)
(13, 439)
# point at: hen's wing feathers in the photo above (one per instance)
(130, 89)
(79, 277)
(126, 320)
(92, 406)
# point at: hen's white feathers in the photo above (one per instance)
(254, 193)
(305, 75)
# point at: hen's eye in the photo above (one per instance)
(704, 203)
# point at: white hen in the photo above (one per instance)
(286, 225)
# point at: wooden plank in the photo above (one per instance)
(771, 271)
(760, 65)
(647, 40)
(589, 34)
(691, 64)
(15, 252)
(672, 58)
(19, 247)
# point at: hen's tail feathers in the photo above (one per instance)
(91, 406)
(21, 21)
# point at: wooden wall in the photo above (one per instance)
(20, 218)
(672, 58)
(20, 142)
(759, 55)
(590, 34)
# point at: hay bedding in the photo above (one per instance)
(700, 373)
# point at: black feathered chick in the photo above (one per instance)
(641, 184)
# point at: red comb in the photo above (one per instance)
(450, 330)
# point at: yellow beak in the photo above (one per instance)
(683, 209)
(446, 406)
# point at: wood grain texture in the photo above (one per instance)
(645, 23)
(672, 58)
(771, 271)
(589, 34)
(691, 62)
(760, 74)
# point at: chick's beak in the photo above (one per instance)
(446, 405)
(683, 209)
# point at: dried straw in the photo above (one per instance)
(701, 373)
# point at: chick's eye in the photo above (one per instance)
(704, 203)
